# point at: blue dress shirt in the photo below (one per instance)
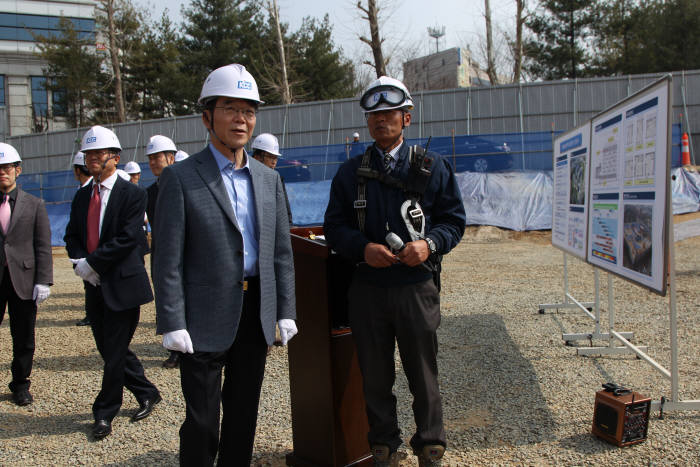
(239, 186)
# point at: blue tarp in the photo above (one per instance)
(505, 180)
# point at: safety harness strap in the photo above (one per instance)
(420, 168)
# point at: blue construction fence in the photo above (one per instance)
(505, 152)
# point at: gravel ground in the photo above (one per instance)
(513, 393)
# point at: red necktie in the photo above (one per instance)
(93, 219)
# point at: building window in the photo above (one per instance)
(19, 27)
(2, 90)
(58, 104)
(40, 97)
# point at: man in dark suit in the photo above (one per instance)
(223, 273)
(103, 239)
(26, 268)
(160, 151)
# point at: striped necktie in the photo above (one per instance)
(387, 162)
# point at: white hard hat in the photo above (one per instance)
(79, 158)
(99, 137)
(386, 93)
(181, 155)
(132, 167)
(124, 175)
(160, 143)
(230, 81)
(267, 142)
(356, 135)
(8, 154)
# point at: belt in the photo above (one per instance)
(250, 281)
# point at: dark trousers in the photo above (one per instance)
(409, 315)
(113, 331)
(22, 322)
(244, 368)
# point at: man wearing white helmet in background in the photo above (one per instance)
(82, 175)
(80, 172)
(26, 268)
(103, 239)
(393, 212)
(223, 273)
(266, 149)
(160, 151)
(355, 148)
(134, 170)
(181, 155)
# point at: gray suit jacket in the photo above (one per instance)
(27, 246)
(198, 265)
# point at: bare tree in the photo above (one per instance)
(284, 88)
(107, 6)
(517, 45)
(490, 63)
(375, 43)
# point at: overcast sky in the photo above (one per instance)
(404, 21)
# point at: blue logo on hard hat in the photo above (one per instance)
(245, 85)
(91, 139)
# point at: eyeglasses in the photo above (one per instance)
(230, 111)
(7, 167)
(98, 153)
(382, 94)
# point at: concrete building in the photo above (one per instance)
(448, 69)
(25, 104)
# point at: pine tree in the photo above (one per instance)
(217, 33)
(558, 51)
(71, 71)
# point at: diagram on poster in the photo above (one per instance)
(569, 204)
(628, 187)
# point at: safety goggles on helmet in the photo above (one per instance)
(388, 94)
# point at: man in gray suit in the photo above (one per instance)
(26, 267)
(223, 273)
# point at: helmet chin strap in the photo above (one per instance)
(392, 144)
(213, 132)
(398, 137)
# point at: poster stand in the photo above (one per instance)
(591, 309)
(674, 403)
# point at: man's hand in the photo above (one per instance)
(41, 293)
(288, 329)
(379, 256)
(414, 253)
(85, 271)
(178, 340)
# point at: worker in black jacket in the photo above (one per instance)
(394, 211)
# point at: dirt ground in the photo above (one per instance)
(513, 392)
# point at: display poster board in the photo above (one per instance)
(629, 171)
(570, 201)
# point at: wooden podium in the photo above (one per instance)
(329, 424)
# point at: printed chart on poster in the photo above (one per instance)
(570, 201)
(629, 170)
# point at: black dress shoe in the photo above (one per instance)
(145, 409)
(101, 429)
(83, 322)
(173, 360)
(22, 397)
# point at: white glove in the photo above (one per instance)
(288, 329)
(85, 271)
(178, 340)
(41, 293)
